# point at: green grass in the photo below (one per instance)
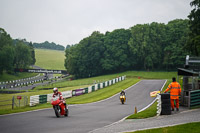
(149, 112)
(78, 82)
(183, 128)
(31, 93)
(129, 74)
(50, 59)
(132, 77)
(150, 75)
(9, 77)
(87, 98)
(103, 93)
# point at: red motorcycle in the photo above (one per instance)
(59, 107)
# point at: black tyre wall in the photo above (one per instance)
(166, 104)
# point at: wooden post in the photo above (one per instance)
(13, 101)
(135, 110)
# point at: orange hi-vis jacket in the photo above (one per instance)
(175, 90)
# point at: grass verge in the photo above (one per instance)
(149, 112)
(132, 78)
(87, 98)
(9, 77)
(103, 93)
(99, 79)
(183, 128)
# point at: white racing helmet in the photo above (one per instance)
(55, 90)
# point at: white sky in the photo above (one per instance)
(69, 21)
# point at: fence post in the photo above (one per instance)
(189, 98)
(13, 102)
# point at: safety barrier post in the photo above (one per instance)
(37, 99)
(158, 98)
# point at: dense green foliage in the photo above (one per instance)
(152, 46)
(14, 54)
(48, 45)
(194, 36)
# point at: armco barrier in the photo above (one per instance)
(86, 90)
(67, 94)
(93, 88)
(42, 98)
(34, 100)
(49, 97)
(194, 98)
(110, 82)
(89, 89)
(117, 80)
(113, 81)
(96, 87)
(103, 85)
(78, 92)
(37, 99)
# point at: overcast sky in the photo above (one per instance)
(69, 21)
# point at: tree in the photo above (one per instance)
(32, 53)
(146, 44)
(48, 45)
(174, 53)
(116, 54)
(194, 37)
(6, 51)
(83, 59)
(5, 39)
(23, 55)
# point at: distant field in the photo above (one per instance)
(50, 59)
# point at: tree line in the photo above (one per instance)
(154, 46)
(14, 53)
(48, 45)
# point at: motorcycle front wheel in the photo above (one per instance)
(122, 101)
(66, 112)
(57, 111)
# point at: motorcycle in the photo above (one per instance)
(122, 98)
(59, 107)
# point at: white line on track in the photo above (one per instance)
(69, 105)
(128, 115)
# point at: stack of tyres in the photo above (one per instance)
(165, 104)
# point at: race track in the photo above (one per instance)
(82, 118)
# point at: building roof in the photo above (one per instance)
(187, 72)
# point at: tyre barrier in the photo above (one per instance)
(158, 98)
(39, 99)
(165, 104)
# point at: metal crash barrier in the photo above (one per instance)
(194, 98)
(39, 99)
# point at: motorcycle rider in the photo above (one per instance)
(56, 93)
(122, 93)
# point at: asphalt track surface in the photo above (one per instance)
(183, 116)
(82, 118)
